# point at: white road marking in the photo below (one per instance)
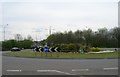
(46, 70)
(55, 71)
(80, 69)
(65, 73)
(111, 68)
(13, 70)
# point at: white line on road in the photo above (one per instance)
(55, 71)
(111, 68)
(13, 70)
(65, 73)
(46, 70)
(80, 69)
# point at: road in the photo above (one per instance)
(37, 66)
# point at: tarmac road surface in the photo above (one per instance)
(37, 66)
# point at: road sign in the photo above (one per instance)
(41, 49)
(37, 49)
(50, 49)
(46, 49)
(56, 49)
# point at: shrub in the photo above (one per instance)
(93, 49)
(68, 47)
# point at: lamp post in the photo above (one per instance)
(50, 30)
(4, 27)
(86, 28)
(37, 33)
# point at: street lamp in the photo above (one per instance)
(4, 27)
(37, 32)
(50, 30)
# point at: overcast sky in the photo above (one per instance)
(25, 17)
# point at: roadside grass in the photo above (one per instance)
(63, 55)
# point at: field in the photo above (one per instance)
(63, 55)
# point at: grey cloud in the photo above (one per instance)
(25, 15)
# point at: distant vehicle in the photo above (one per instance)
(15, 49)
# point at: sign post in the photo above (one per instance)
(50, 49)
(41, 50)
(46, 50)
(57, 50)
(36, 50)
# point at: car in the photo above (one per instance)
(15, 49)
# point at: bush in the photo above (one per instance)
(93, 49)
(68, 47)
(64, 48)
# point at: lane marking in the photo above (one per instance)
(80, 69)
(46, 70)
(13, 70)
(65, 73)
(111, 68)
(55, 71)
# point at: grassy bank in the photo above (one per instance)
(64, 55)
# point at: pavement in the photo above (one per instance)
(37, 66)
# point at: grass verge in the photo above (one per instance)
(63, 55)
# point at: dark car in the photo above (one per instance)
(15, 49)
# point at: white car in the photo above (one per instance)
(15, 49)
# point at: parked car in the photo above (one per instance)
(15, 49)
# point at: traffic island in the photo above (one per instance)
(62, 55)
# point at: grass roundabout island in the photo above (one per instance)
(61, 55)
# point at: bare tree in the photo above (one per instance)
(18, 37)
(29, 37)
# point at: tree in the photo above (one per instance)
(7, 45)
(87, 34)
(116, 35)
(29, 37)
(78, 35)
(100, 38)
(27, 44)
